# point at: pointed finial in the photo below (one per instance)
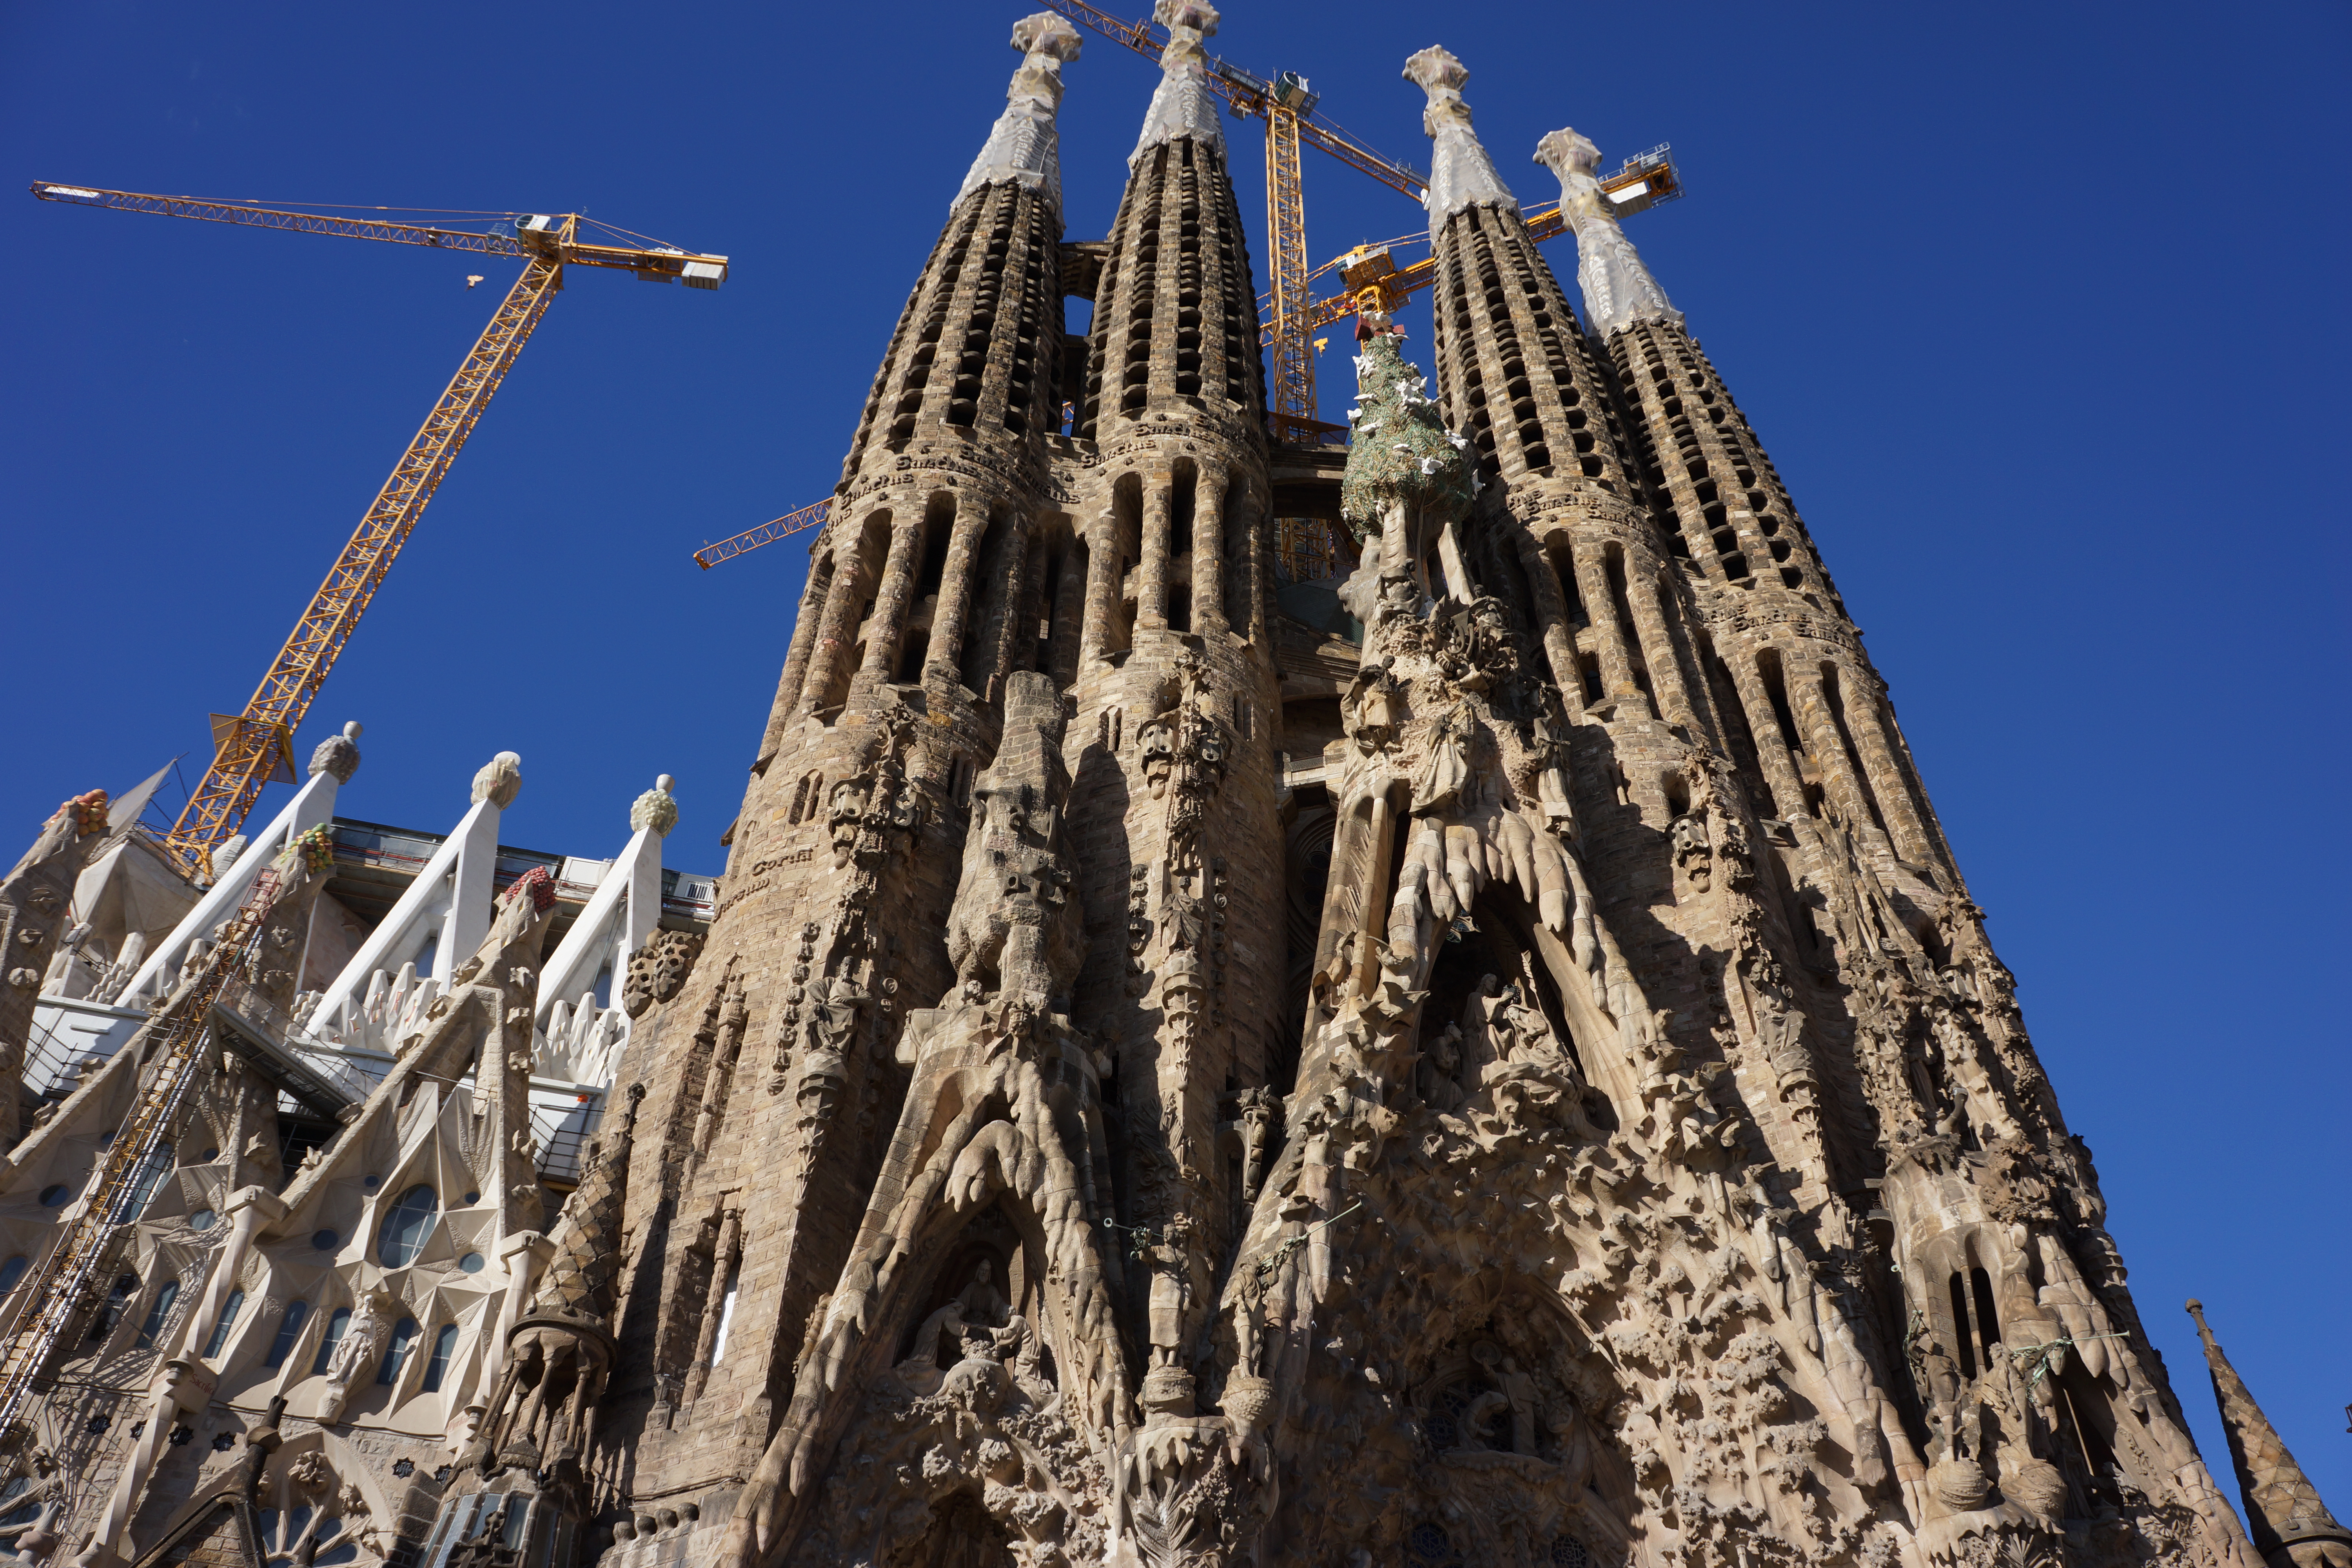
(1022, 147)
(1617, 290)
(2282, 1508)
(499, 779)
(655, 809)
(1461, 174)
(338, 754)
(1181, 104)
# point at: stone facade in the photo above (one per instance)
(1508, 1074)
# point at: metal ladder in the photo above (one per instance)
(61, 1287)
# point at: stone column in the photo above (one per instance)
(1255, 580)
(1610, 638)
(944, 665)
(890, 604)
(1106, 563)
(1208, 551)
(1839, 772)
(724, 1258)
(247, 1207)
(1551, 618)
(1151, 600)
(1781, 771)
(1866, 716)
(1658, 650)
(1071, 602)
(838, 628)
(1011, 606)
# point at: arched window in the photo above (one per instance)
(157, 1314)
(403, 1339)
(125, 1287)
(12, 1271)
(444, 1348)
(406, 1225)
(297, 1314)
(229, 1310)
(337, 1322)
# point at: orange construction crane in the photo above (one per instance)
(1372, 277)
(254, 747)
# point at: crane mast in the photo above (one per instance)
(255, 746)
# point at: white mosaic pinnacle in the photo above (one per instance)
(1183, 104)
(1617, 290)
(1461, 174)
(1023, 147)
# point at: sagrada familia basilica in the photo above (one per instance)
(1490, 1061)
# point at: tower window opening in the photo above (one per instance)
(1768, 670)
(1988, 1320)
(1965, 1347)
(1180, 609)
(1836, 700)
(1613, 559)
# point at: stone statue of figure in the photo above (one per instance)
(1255, 1121)
(839, 1004)
(1169, 1258)
(948, 1319)
(1442, 1074)
(984, 1304)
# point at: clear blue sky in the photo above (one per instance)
(2040, 310)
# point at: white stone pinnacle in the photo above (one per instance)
(1023, 147)
(1183, 104)
(1617, 290)
(1461, 174)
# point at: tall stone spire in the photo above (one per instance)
(1617, 290)
(2291, 1526)
(1024, 145)
(1460, 172)
(1181, 105)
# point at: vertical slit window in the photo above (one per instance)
(338, 1323)
(1966, 1349)
(166, 1297)
(229, 1310)
(436, 1366)
(395, 1356)
(1988, 1320)
(289, 1330)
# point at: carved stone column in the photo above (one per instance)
(942, 667)
(887, 624)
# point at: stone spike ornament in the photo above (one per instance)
(1461, 174)
(1022, 146)
(35, 909)
(2291, 1526)
(1617, 290)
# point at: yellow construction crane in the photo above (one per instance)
(254, 747)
